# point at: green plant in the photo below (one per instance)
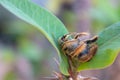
(52, 28)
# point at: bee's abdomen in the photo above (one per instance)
(87, 54)
(84, 52)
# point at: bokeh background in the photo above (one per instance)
(25, 54)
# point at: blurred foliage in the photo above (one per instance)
(10, 76)
(104, 13)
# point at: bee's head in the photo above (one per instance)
(66, 38)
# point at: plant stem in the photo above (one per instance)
(72, 69)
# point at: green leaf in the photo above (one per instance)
(110, 13)
(108, 49)
(43, 20)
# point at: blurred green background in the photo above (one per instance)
(25, 54)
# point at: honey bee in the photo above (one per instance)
(79, 46)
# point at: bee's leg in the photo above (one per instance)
(67, 37)
(63, 39)
(73, 34)
(94, 39)
(81, 34)
(70, 36)
(79, 50)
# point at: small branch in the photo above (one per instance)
(72, 69)
(74, 75)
